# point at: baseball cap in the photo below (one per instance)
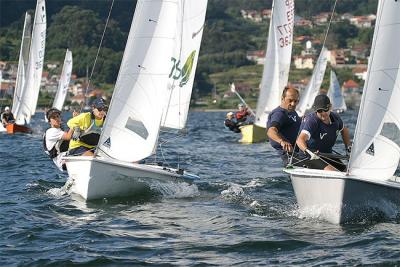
(321, 102)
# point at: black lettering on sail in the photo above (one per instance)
(371, 150)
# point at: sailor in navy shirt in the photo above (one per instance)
(283, 124)
(318, 133)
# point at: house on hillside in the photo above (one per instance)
(256, 56)
(304, 62)
(360, 72)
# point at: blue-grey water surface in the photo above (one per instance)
(242, 212)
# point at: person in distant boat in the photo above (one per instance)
(86, 129)
(231, 122)
(55, 140)
(283, 124)
(7, 117)
(243, 116)
(318, 133)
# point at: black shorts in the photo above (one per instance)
(321, 163)
(77, 151)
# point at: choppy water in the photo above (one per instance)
(242, 212)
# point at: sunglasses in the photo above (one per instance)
(322, 110)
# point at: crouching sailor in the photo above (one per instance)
(55, 140)
(86, 130)
(283, 125)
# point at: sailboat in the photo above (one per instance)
(276, 69)
(313, 87)
(369, 186)
(63, 84)
(157, 71)
(335, 95)
(30, 67)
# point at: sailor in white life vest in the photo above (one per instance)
(55, 140)
(87, 128)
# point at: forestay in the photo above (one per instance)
(312, 90)
(374, 155)
(189, 26)
(22, 63)
(335, 94)
(277, 59)
(64, 81)
(30, 92)
(134, 117)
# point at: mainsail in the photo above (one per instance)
(189, 25)
(133, 120)
(277, 60)
(30, 91)
(22, 63)
(335, 94)
(312, 90)
(374, 155)
(64, 81)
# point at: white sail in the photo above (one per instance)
(131, 129)
(64, 81)
(277, 59)
(374, 155)
(189, 25)
(312, 90)
(335, 94)
(35, 66)
(22, 63)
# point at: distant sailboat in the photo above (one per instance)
(30, 67)
(313, 87)
(2, 129)
(276, 69)
(370, 184)
(335, 95)
(63, 84)
(152, 91)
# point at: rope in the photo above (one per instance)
(98, 52)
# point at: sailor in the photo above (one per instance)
(7, 117)
(283, 125)
(318, 133)
(242, 115)
(55, 140)
(231, 122)
(86, 129)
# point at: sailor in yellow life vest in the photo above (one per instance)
(87, 128)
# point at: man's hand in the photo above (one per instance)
(313, 156)
(77, 134)
(286, 146)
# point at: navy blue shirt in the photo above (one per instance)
(287, 123)
(322, 136)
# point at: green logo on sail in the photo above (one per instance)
(182, 74)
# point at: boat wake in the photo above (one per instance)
(236, 193)
(174, 189)
(372, 211)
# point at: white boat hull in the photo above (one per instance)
(96, 178)
(2, 128)
(340, 198)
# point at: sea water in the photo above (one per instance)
(241, 212)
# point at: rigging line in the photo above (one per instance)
(329, 24)
(98, 50)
